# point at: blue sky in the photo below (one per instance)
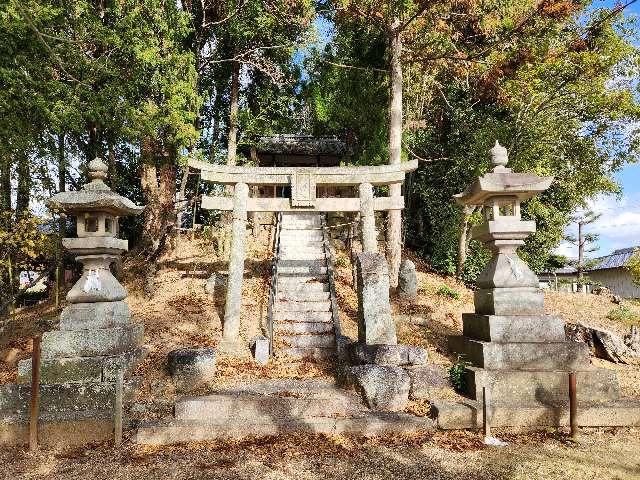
(619, 224)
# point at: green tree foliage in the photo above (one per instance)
(550, 80)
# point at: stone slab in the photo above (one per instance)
(82, 369)
(315, 354)
(263, 409)
(593, 385)
(293, 316)
(513, 328)
(560, 356)
(61, 401)
(427, 380)
(324, 306)
(468, 415)
(165, 432)
(509, 301)
(293, 328)
(383, 387)
(58, 433)
(89, 316)
(89, 343)
(309, 340)
(360, 354)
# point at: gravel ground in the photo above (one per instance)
(601, 455)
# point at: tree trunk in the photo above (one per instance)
(232, 139)
(62, 227)
(5, 183)
(111, 163)
(463, 239)
(581, 243)
(394, 220)
(24, 184)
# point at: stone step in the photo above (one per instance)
(303, 296)
(163, 432)
(265, 408)
(513, 328)
(302, 270)
(593, 385)
(291, 242)
(301, 235)
(313, 265)
(324, 306)
(468, 414)
(91, 343)
(291, 316)
(298, 226)
(308, 341)
(535, 356)
(291, 287)
(293, 328)
(302, 279)
(302, 256)
(295, 250)
(315, 354)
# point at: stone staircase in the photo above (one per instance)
(273, 407)
(303, 311)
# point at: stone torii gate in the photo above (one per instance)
(303, 182)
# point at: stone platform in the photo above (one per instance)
(274, 407)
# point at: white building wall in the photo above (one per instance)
(618, 280)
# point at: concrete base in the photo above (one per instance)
(82, 369)
(468, 415)
(513, 328)
(91, 343)
(533, 356)
(63, 433)
(594, 385)
(509, 301)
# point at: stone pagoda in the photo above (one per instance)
(95, 339)
(516, 350)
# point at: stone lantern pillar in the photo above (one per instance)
(514, 349)
(95, 339)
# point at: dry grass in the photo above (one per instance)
(602, 454)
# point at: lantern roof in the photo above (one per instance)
(502, 182)
(94, 196)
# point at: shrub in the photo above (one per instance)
(456, 374)
(445, 291)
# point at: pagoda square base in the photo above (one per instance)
(509, 301)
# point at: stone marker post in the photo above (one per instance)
(233, 303)
(368, 219)
(375, 324)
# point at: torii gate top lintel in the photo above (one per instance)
(303, 182)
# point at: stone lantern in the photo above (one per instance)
(95, 339)
(507, 285)
(513, 349)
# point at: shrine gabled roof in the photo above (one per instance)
(300, 145)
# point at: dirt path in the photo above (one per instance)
(601, 455)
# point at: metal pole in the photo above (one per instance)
(486, 412)
(117, 407)
(35, 395)
(573, 406)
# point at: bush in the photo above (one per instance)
(623, 314)
(456, 374)
(445, 291)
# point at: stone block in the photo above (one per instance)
(383, 387)
(387, 354)
(375, 324)
(192, 367)
(98, 315)
(427, 379)
(561, 356)
(407, 280)
(513, 328)
(91, 343)
(261, 350)
(517, 386)
(64, 370)
(509, 301)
